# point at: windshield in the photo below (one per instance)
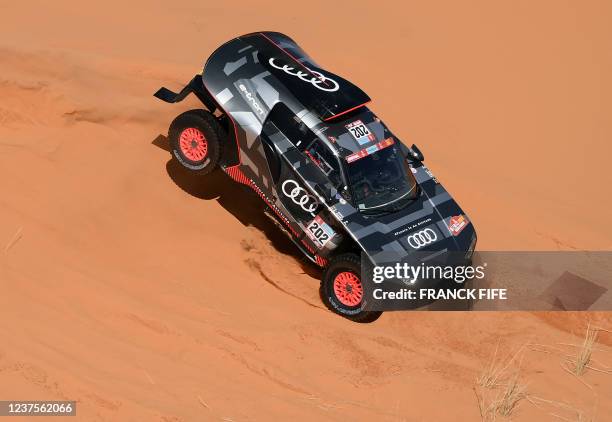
(381, 179)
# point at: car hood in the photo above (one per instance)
(433, 222)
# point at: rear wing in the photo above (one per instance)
(195, 86)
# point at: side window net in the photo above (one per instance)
(305, 141)
(325, 160)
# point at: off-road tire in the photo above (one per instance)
(342, 266)
(195, 141)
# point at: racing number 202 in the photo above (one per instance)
(317, 232)
(360, 131)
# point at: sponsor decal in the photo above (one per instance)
(292, 190)
(317, 79)
(317, 162)
(430, 174)
(457, 223)
(360, 132)
(412, 226)
(251, 99)
(321, 130)
(372, 149)
(422, 238)
(320, 161)
(190, 166)
(319, 231)
(356, 156)
(369, 150)
(336, 212)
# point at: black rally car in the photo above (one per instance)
(332, 174)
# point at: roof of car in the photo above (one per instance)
(323, 92)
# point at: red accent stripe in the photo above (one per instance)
(346, 111)
(292, 57)
(322, 262)
(317, 162)
(236, 174)
(286, 52)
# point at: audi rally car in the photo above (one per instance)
(330, 172)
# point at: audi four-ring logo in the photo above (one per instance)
(424, 237)
(299, 196)
(315, 80)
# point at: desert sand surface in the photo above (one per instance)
(148, 295)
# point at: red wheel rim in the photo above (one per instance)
(193, 144)
(348, 289)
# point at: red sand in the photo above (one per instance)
(145, 296)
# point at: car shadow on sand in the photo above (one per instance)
(238, 200)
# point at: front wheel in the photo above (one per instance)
(194, 141)
(342, 290)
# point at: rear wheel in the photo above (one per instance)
(195, 141)
(342, 290)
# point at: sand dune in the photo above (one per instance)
(146, 294)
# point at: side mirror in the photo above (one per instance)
(416, 154)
